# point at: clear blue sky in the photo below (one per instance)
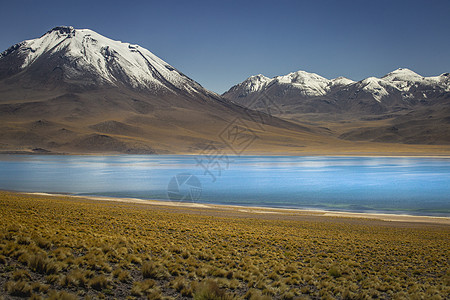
(221, 43)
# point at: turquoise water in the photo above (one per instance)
(418, 186)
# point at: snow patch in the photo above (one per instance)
(340, 81)
(255, 83)
(309, 84)
(375, 86)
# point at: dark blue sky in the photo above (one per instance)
(220, 43)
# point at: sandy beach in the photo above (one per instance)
(254, 210)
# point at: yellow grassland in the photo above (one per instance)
(67, 248)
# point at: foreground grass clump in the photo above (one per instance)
(210, 290)
(68, 248)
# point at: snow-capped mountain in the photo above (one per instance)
(76, 91)
(410, 84)
(306, 84)
(86, 58)
(401, 87)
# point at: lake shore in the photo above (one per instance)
(413, 154)
(255, 210)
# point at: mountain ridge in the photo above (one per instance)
(304, 81)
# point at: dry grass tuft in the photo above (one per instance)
(154, 270)
(210, 290)
(41, 264)
(144, 288)
(18, 288)
(335, 272)
(61, 295)
(99, 282)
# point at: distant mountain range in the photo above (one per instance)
(308, 92)
(76, 91)
(400, 107)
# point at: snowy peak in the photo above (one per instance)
(309, 84)
(444, 79)
(81, 53)
(259, 77)
(253, 84)
(306, 83)
(63, 30)
(402, 74)
(301, 77)
(374, 86)
(340, 81)
(256, 81)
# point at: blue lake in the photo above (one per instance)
(419, 186)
